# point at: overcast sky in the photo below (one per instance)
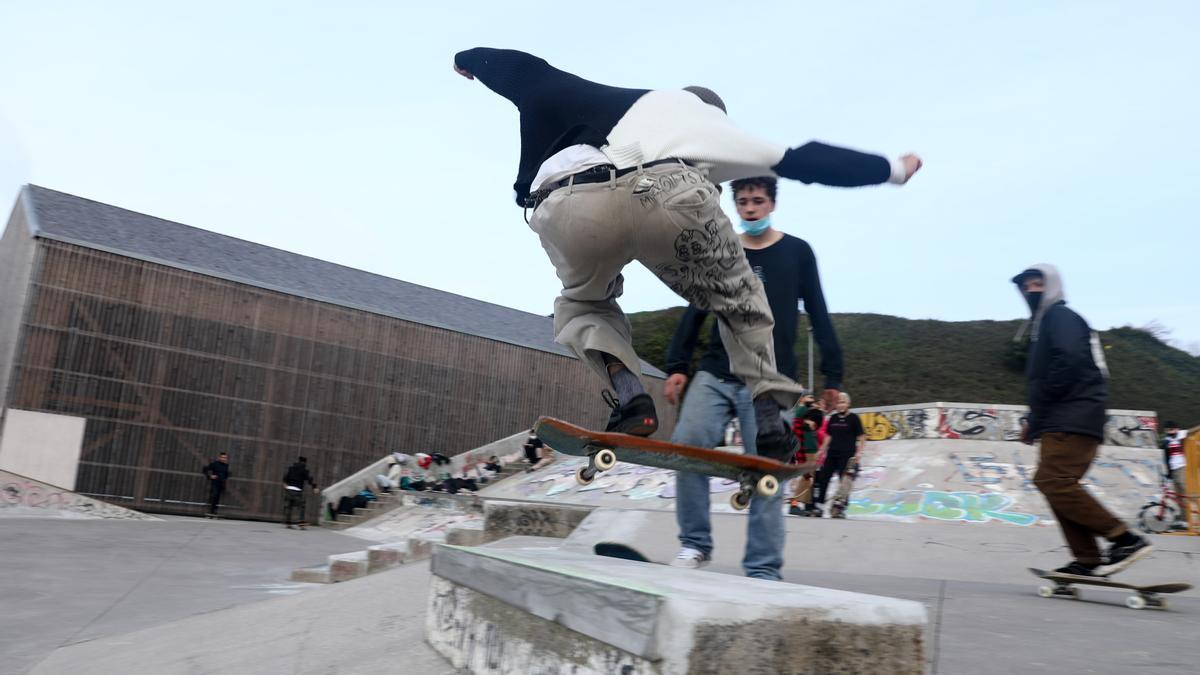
(1063, 132)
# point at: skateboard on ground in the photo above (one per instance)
(755, 475)
(611, 549)
(841, 500)
(1143, 597)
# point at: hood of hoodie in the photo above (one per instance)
(1051, 295)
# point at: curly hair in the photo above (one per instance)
(767, 183)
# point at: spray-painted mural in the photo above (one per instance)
(990, 423)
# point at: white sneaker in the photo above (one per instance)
(689, 558)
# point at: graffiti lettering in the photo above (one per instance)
(17, 493)
(975, 507)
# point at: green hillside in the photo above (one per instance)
(890, 360)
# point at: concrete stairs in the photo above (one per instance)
(346, 566)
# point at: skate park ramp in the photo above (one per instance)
(956, 462)
(24, 497)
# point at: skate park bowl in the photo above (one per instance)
(957, 462)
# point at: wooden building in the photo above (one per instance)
(176, 343)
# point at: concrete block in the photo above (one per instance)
(499, 610)
(419, 548)
(347, 566)
(534, 519)
(383, 556)
(312, 575)
(467, 534)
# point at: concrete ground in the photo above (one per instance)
(148, 606)
(64, 581)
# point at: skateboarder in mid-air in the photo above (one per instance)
(1067, 391)
(616, 175)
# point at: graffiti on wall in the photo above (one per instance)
(21, 496)
(1131, 431)
(989, 424)
(971, 507)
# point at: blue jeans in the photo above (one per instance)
(708, 407)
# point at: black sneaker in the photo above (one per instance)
(779, 443)
(796, 511)
(1121, 556)
(1078, 569)
(637, 417)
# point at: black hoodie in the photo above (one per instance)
(1067, 388)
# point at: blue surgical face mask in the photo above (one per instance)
(756, 227)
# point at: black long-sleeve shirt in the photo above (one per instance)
(788, 270)
(636, 126)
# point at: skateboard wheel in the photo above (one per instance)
(768, 486)
(583, 476)
(1046, 591)
(605, 460)
(1135, 602)
(740, 501)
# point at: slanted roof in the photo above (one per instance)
(83, 222)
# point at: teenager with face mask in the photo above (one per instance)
(617, 175)
(787, 269)
(1067, 392)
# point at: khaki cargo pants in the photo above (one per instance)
(667, 217)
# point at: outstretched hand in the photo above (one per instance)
(912, 164)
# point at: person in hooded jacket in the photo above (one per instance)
(1067, 390)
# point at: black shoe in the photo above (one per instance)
(779, 443)
(796, 511)
(1121, 556)
(637, 417)
(1078, 569)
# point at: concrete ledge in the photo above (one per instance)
(312, 575)
(467, 534)
(347, 566)
(498, 610)
(532, 519)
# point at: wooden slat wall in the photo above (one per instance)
(171, 367)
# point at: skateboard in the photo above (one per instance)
(1143, 597)
(611, 549)
(841, 500)
(755, 475)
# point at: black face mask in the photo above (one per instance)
(1033, 299)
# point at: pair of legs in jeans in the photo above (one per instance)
(667, 217)
(708, 407)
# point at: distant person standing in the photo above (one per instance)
(844, 441)
(293, 492)
(1174, 460)
(217, 473)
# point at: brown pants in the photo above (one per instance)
(1065, 459)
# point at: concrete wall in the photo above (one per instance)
(42, 446)
(987, 422)
(17, 253)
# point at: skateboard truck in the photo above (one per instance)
(599, 459)
(748, 485)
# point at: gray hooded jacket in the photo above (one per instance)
(1067, 378)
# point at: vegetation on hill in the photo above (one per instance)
(891, 360)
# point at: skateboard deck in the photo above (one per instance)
(841, 500)
(1143, 595)
(755, 475)
(611, 549)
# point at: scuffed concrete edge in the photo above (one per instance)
(486, 635)
(540, 519)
